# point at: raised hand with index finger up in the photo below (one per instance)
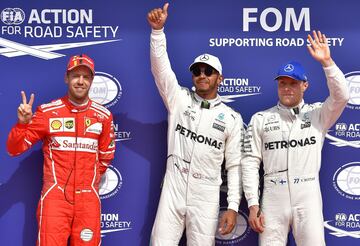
(24, 111)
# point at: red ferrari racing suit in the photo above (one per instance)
(78, 146)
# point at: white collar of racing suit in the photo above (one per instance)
(292, 110)
(213, 102)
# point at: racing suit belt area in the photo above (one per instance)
(198, 141)
(78, 146)
(294, 201)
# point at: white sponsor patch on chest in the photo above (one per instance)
(62, 124)
(75, 144)
(95, 128)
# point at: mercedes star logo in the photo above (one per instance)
(204, 57)
(288, 68)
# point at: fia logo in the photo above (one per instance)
(12, 16)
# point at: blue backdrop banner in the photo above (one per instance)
(251, 38)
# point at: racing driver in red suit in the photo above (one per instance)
(78, 146)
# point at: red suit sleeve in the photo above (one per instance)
(23, 136)
(106, 144)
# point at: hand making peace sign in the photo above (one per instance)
(24, 111)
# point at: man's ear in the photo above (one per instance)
(305, 85)
(66, 78)
(220, 78)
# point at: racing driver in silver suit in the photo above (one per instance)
(288, 139)
(202, 131)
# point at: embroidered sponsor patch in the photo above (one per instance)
(56, 125)
(75, 144)
(92, 126)
(62, 125)
(87, 122)
(219, 127)
(86, 235)
(69, 124)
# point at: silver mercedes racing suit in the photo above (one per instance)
(289, 142)
(198, 141)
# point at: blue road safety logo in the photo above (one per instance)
(346, 133)
(110, 183)
(72, 24)
(239, 233)
(113, 223)
(233, 88)
(344, 225)
(353, 83)
(105, 89)
(346, 180)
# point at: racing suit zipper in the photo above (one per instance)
(192, 153)
(75, 157)
(74, 163)
(293, 123)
